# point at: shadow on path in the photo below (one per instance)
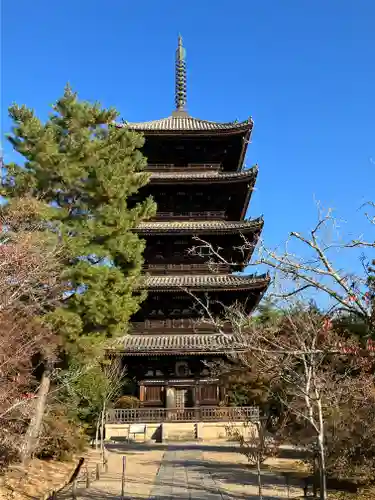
(227, 446)
(185, 474)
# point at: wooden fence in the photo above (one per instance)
(202, 414)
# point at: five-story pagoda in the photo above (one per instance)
(201, 190)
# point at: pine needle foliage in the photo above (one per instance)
(83, 171)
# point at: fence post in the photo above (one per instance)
(74, 489)
(97, 472)
(305, 487)
(87, 477)
(123, 477)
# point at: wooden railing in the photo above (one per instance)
(205, 166)
(203, 414)
(209, 214)
(177, 323)
(190, 166)
(183, 268)
(160, 166)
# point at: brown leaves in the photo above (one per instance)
(29, 285)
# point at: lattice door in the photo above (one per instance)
(181, 396)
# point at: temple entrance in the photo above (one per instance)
(181, 398)
(184, 398)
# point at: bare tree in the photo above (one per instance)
(29, 271)
(114, 374)
(311, 263)
(29, 286)
(20, 340)
(255, 445)
(301, 349)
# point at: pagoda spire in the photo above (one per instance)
(180, 92)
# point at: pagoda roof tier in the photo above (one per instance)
(169, 344)
(182, 123)
(175, 177)
(205, 282)
(203, 226)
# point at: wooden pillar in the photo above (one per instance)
(221, 393)
(196, 395)
(141, 393)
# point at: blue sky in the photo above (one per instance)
(304, 70)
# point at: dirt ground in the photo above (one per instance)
(39, 478)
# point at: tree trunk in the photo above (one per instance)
(33, 430)
(97, 433)
(102, 431)
(321, 452)
(259, 452)
(322, 467)
(260, 493)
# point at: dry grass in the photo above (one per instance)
(366, 494)
(36, 480)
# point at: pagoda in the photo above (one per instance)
(202, 191)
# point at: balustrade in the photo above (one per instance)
(183, 268)
(188, 167)
(209, 214)
(203, 414)
(205, 166)
(178, 323)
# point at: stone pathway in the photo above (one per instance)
(182, 471)
(175, 479)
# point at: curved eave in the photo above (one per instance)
(166, 344)
(155, 228)
(155, 284)
(247, 176)
(248, 195)
(187, 125)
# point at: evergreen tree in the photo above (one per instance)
(84, 171)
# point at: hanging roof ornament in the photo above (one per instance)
(180, 91)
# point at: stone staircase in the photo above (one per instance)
(179, 431)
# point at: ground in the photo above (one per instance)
(214, 471)
(182, 470)
(41, 476)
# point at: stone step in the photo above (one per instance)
(183, 431)
(183, 436)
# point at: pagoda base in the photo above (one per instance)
(162, 424)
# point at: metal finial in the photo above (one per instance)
(180, 95)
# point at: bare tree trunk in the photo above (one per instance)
(259, 473)
(33, 431)
(102, 431)
(321, 451)
(260, 439)
(97, 433)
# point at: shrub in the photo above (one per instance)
(127, 402)
(62, 437)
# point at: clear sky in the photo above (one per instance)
(303, 69)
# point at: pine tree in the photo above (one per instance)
(85, 171)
